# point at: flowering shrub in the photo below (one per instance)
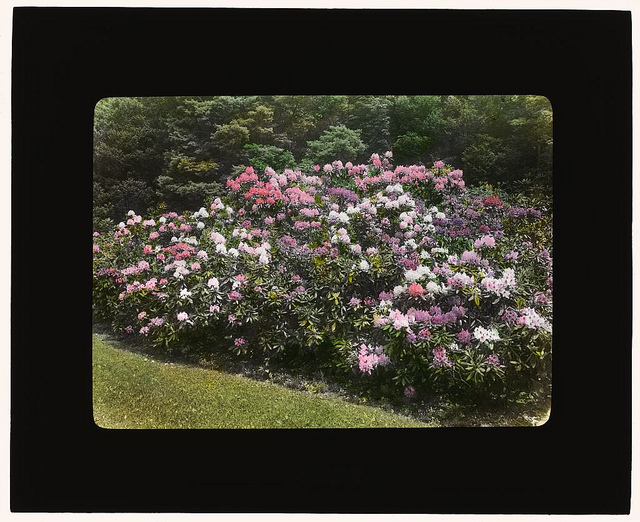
(400, 274)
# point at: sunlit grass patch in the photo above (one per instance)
(134, 391)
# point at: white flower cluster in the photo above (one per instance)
(366, 206)
(202, 213)
(397, 189)
(418, 273)
(341, 217)
(384, 305)
(411, 244)
(399, 290)
(406, 219)
(465, 280)
(241, 233)
(509, 277)
(434, 288)
(454, 347)
(484, 335)
(181, 269)
(263, 252)
(341, 236)
(531, 319)
(403, 200)
(406, 200)
(189, 240)
(502, 286)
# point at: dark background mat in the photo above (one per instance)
(66, 59)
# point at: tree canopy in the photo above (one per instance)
(177, 151)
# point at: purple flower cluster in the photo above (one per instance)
(288, 242)
(510, 317)
(440, 358)
(492, 360)
(464, 337)
(347, 194)
(521, 212)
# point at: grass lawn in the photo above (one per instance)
(131, 390)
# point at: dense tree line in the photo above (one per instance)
(177, 152)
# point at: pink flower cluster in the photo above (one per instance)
(297, 196)
(531, 319)
(440, 358)
(370, 358)
(485, 241)
(503, 286)
(248, 176)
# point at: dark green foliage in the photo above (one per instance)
(372, 115)
(259, 122)
(186, 194)
(102, 208)
(230, 137)
(130, 137)
(484, 159)
(263, 156)
(129, 194)
(498, 139)
(173, 149)
(421, 115)
(336, 142)
(299, 119)
(411, 149)
(188, 183)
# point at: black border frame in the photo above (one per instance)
(66, 59)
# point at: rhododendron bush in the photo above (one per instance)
(399, 275)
